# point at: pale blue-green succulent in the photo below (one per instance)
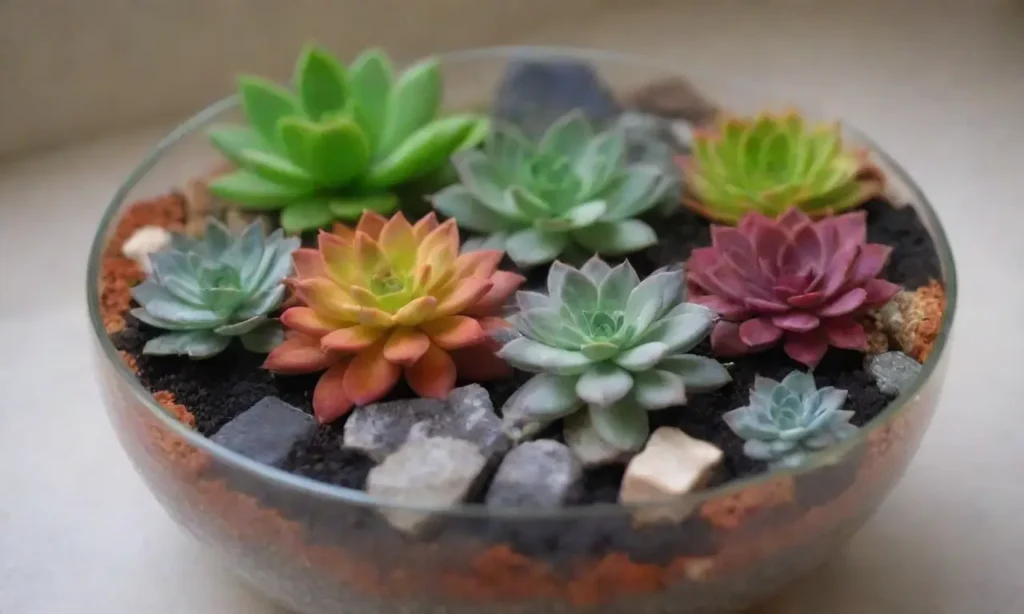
(603, 341)
(787, 420)
(573, 192)
(209, 291)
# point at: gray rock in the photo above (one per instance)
(267, 432)
(587, 446)
(536, 475)
(379, 429)
(435, 472)
(893, 371)
(470, 417)
(535, 93)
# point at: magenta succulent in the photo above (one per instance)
(791, 279)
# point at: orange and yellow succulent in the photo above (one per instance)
(391, 298)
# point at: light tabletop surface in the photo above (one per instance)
(940, 88)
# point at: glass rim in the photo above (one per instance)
(280, 478)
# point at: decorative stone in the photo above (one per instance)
(671, 465)
(470, 416)
(378, 430)
(267, 432)
(673, 97)
(432, 472)
(587, 446)
(145, 241)
(535, 93)
(912, 319)
(893, 372)
(237, 220)
(536, 475)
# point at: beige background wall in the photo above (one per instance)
(70, 69)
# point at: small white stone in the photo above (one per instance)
(144, 242)
(672, 464)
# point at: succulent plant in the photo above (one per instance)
(787, 420)
(391, 298)
(793, 280)
(211, 290)
(342, 142)
(603, 339)
(770, 162)
(571, 190)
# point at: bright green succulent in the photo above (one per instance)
(604, 340)
(571, 192)
(342, 142)
(772, 162)
(208, 291)
(787, 420)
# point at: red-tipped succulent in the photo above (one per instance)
(792, 280)
(391, 299)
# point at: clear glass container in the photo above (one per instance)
(320, 549)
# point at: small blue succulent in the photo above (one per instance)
(788, 420)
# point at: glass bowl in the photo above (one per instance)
(318, 548)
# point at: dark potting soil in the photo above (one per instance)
(218, 389)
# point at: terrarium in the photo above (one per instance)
(518, 329)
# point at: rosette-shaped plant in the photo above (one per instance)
(211, 290)
(572, 191)
(604, 340)
(390, 298)
(342, 142)
(787, 420)
(792, 280)
(770, 162)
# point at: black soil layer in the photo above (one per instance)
(218, 389)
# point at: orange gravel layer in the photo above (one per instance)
(498, 572)
(118, 273)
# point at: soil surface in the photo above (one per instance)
(218, 389)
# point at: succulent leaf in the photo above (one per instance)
(210, 290)
(345, 135)
(412, 102)
(231, 141)
(255, 192)
(571, 189)
(617, 340)
(787, 420)
(790, 280)
(388, 298)
(320, 82)
(770, 162)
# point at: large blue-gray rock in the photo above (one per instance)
(540, 474)
(267, 432)
(380, 429)
(893, 372)
(534, 93)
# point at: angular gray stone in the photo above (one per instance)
(536, 475)
(533, 94)
(470, 417)
(434, 472)
(381, 428)
(586, 445)
(267, 432)
(893, 371)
